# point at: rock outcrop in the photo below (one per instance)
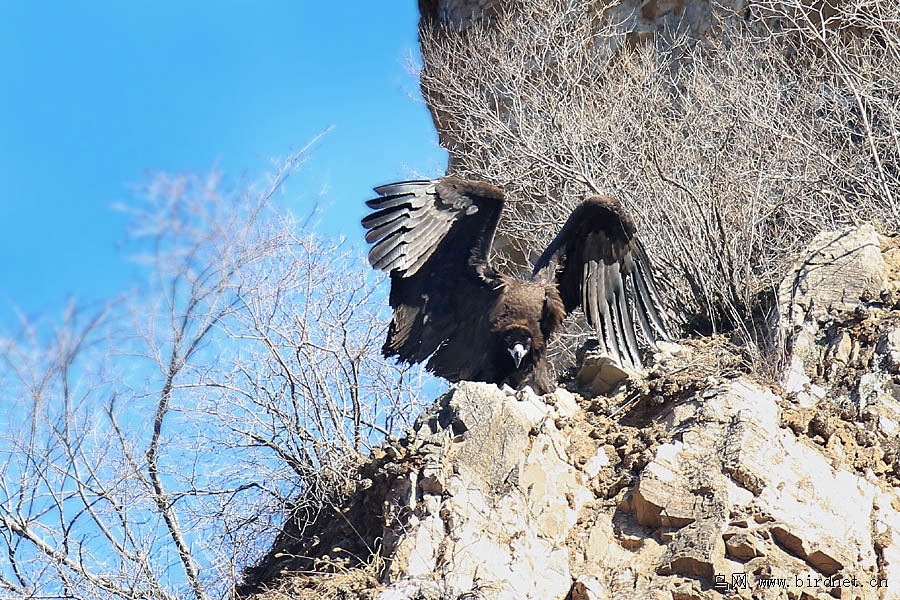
(710, 477)
(699, 481)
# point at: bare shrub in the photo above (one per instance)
(731, 151)
(151, 448)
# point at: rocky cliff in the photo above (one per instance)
(698, 481)
(713, 475)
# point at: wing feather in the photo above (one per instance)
(416, 188)
(386, 257)
(385, 226)
(434, 238)
(599, 264)
(627, 338)
(395, 200)
(419, 247)
(438, 211)
(652, 309)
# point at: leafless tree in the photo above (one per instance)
(732, 149)
(152, 447)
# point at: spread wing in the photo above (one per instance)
(600, 265)
(434, 237)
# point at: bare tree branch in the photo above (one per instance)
(167, 435)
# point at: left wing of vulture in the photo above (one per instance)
(600, 265)
(433, 237)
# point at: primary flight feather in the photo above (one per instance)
(471, 323)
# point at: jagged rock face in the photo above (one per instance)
(840, 330)
(732, 491)
(492, 505)
(682, 484)
(732, 484)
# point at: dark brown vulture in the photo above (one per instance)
(475, 324)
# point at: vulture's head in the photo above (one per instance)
(518, 343)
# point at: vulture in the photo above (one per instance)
(470, 322)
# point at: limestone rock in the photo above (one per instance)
(731, 490)
(839, 327)
(685, 484)
(600, 374)
(839, 270)
(509, 498)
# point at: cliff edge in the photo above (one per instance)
(699, 481)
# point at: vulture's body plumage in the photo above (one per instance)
(472, 323)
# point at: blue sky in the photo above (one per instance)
(93, 95)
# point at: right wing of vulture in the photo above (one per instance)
(600, 265)
(434, 237)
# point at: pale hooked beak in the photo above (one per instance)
(518, 352)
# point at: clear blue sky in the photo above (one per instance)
(95, 94)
